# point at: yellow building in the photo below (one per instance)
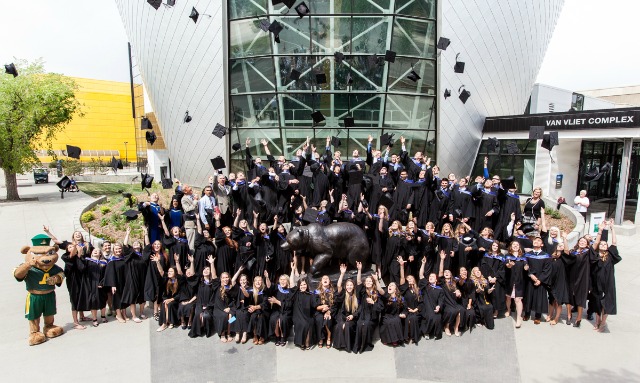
(107, 124)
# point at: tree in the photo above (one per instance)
(34, 107)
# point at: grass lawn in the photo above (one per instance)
(110, 190)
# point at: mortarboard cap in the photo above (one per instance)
(447, 93)
(335, 141)
(219, 131)
(390, 56)
(508, 183)
(385, 201)
(116, 164)
(413, 76)
(236, 146)
(492, 144)
(41, 240)
(386, 139)
(310, 215)
(218, 163)
(288, 3)
(187, 117)
(264, 25)
(459, 66)
(63, 183)
(527, 228)
(126, 195)
(339, 56)
(167, 183)
(248, 265)
(150, 137)
(443, 43)
(349, 122)
(512, 148)
(295, 74)
(146, 181)
(11, 69)
(317, 116)
(321, 78)
(194, 15)
(171, 3)
(536, 132)
(155, 3)
(464, 96)
(145, 124)
(549, 140)
(275, 27)
(73, 152)
(131, 214)
(355, 177)
(301, 9)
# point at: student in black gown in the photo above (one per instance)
(282, 257)
(432, 304)
(378, 234)
(225, 296)
(603, 260)
(280, 307)
(325, 307)
(369, 312)
(447, 243)
(515, 277)
(137, 264)
(92, 270)
(241, 325)
(256, 301)
(344, 332)
(203, 316)
(203, 245)
(263, 248)
(187, 295)
(393, 313)
(175, 242)
(559, 289)
(303, 308)
(115, 276)
(467, 254)
(579, 281)
(466, 300)
(539, 273)
(153, 279)
(394, 248)
(172, 281)
(412, 300)
(483, 290)
(452, 309)
(492, 267)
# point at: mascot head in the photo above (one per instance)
(44, 255)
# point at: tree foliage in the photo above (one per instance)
(34, 107)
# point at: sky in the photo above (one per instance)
(594, 44)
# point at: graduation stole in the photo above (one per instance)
(498, 257)
(281, 236)
(97, 261)
(408, 181)
(514, 259)
(488, 192)
(464, 191)
(434, 286)
(541, 255)
(513, 195)
(441, 236)
(180, 239)
(251, 291)
(444, 192)
(283, 290)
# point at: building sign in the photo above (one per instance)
(595, 219)
(591, 119)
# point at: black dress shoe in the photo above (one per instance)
(577, 324)
(568, 321)
(590, 316)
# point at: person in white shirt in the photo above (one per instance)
(581, 203)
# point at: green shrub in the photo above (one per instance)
(553, 213)
(72, 167)
(87, 217)
(104, 222)
(105, 209)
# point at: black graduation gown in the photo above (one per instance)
(484, 202)
(379, 183)
(378, 239)
(579, 284)
(393, 249)
(137, 264)
(604, 281)
(153, 280)
(484, 308)
(391, 329)
(536, 296)
(452, 307)
(264, 254)
(549, 244)
(368, 314)
(115, 275)
(202, 249)
(449, 245)
(429, 249)
(402, 197)
(202, 323)
(439, 208)
(344, 332)
(422, 196)
(337, 183)
(353, 190)
(468, 315)
(461, 201)
(172, 307)
(178, 246)
(509, 203)
(515, 276)
(319, 321)
(413, 321)
(303, 311)
(282, 312)
(433, 296)
(92, 271)
(493, 266)
(220, 303)
(73, 278)
(559, 289)
(321, 188)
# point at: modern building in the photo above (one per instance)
(375, 61)
(107, 127)
(592, 132)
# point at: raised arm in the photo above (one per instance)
(543, 221)
(236, 222)
(156, 259)
(266, 146)
(53, 237)
(176, 258)
(255, 219)
(192, 265)
(343, 270)
(596, 243)
(164, 225)
(198, 224)
(236, 275)
(359, 276)
(401, 262)
(212, 266)
(275, 223)
(613, 234)
(421, 272)
(145, 234)
(125, 242)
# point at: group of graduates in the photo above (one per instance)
(447, 256)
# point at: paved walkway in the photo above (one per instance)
(135, 352)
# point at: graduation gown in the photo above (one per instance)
(303, 311)
(177, 245)
(319, 321)
(378, 239)
(283, 312)
(73, 278)
(493, 266)
(604, 281)
(579, 283)
(515, 276)
(202, 324)
(452, 307)
(368, 314)
(509, 203)
(282, 258)
(468, 315)
(202, 249)
(222, 302)
(402, 197)
(393, 249)
(449, 245)
(225, 254)
(536, 296)
(137, 265)
(484, 201)
(413, 321)
(559, 291)
(344, 332)
(153, 280)
(391, 329)
(433, 297)
(92, 296)
(483, 306)
(115, 275)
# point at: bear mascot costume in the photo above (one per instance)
(41, 275)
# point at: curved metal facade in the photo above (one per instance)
(184, 67)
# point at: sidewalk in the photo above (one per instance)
(97, 354)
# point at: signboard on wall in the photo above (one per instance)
(595, 219)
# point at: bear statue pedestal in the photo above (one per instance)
(337, 243)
